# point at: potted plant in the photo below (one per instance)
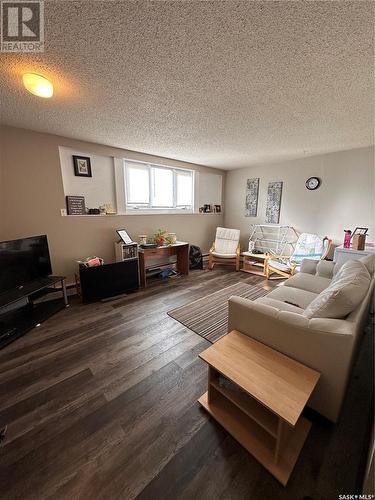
(159, 237)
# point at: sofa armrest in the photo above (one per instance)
(330, 352)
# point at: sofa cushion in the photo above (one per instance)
(295, 296)
(309, 282)
(279, 305)
(325, 268)
(344, 294)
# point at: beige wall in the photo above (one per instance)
(32, 195)
(344, 200)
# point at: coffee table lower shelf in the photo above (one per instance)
(277, 455)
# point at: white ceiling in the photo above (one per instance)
(219, 83)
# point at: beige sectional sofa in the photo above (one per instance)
(316, 317)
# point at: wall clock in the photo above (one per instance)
(313, 183)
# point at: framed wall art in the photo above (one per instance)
(252, 192)
(273, 202)
(82, 166)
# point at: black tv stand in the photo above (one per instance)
(28, 306)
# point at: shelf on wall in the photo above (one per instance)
(141, 213)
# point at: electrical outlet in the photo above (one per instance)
(63, 212)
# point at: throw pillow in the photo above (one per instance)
(369, 262)
(349, 268)
(343, 295)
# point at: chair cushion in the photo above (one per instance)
(277, 264)
(344, 294)
(279, 305)
(310, 282)
(224, 255)
(295, 296)
(226, 240)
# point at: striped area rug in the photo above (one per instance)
(208, 316)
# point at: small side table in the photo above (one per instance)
(344, 254)
(253, 263)
(257, 394)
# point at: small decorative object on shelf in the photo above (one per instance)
(355, 239)
(159, 237)
(82, 166)
(251, 246)
(107, 209)
(360, 230)
(217, 209)
(142, 238)
(124, 236)
(171, 239)
(359, 238)
(207, 209)
(75, 205)
(347, 238)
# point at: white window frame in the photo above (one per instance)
(149, 208)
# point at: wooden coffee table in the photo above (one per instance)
(257, 394)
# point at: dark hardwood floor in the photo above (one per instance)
(101, 403)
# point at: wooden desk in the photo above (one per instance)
(180, 249)
(257, 394)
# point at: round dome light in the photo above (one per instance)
(37, 85)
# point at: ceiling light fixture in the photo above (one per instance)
(37, 85)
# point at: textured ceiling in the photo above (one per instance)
(219, 83)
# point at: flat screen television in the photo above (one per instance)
(22, 261)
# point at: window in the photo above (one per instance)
(158, 188)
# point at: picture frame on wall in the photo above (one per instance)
(252, 193)
(274, 194)
(82, 166)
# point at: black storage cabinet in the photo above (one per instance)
(108, 280)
